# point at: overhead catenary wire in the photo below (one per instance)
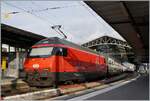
(38, 6)
(37, 12)
(29, 13)
(57, 7)
(46, 9)
(54, 27)
(45, 20)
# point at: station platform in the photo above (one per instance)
(10, 80)
(10, 85)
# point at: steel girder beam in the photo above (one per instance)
(105, 40)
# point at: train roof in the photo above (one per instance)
(56, 40)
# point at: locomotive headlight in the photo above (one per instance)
(35, 66)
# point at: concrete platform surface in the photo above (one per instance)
(10, 80)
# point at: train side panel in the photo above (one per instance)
(81, 65)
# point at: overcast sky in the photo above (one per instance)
(79, 22)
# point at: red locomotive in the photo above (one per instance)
(69, 61)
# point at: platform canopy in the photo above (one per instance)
(130, 19)
(17, 37)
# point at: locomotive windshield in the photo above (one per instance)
(40, 52)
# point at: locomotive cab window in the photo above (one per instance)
(60, 51)
(40, 52)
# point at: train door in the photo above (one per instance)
(60, 54)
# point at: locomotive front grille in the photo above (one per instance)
(40, 78)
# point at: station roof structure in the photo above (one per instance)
(18, 37)
(106, 40)
(129, 18)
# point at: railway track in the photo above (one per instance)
(23, 89)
